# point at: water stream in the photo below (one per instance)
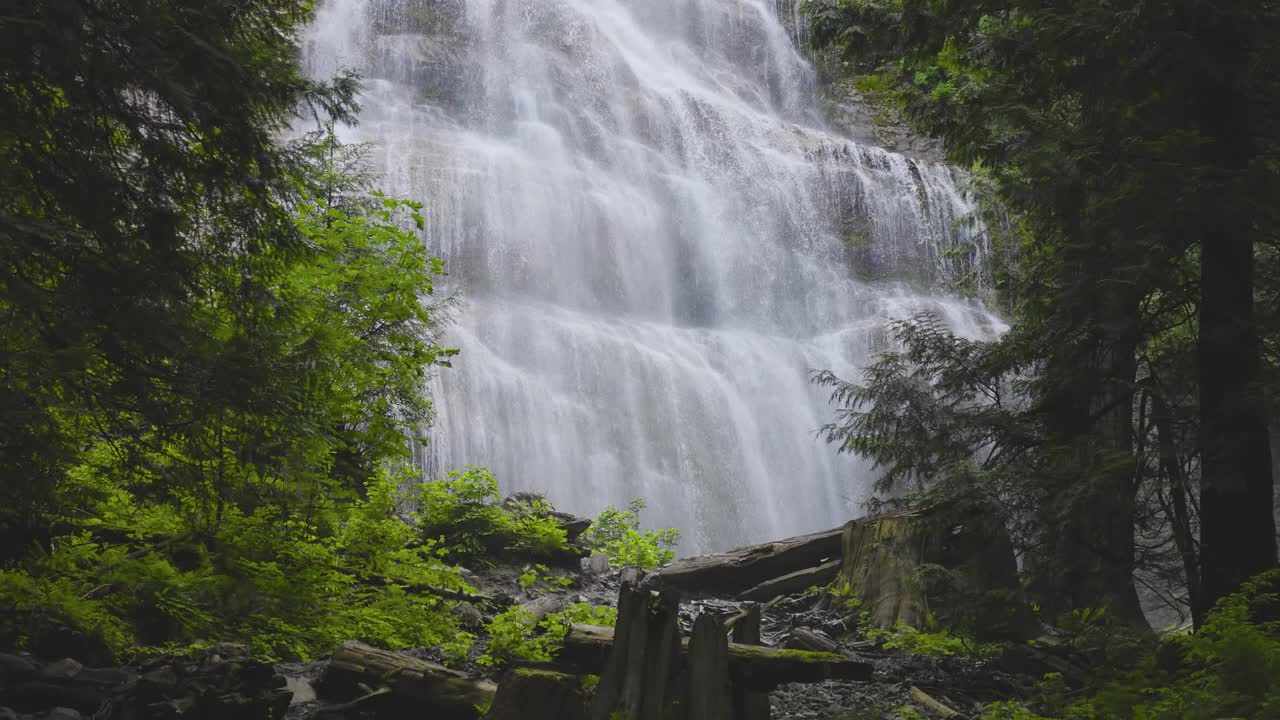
(655, 236)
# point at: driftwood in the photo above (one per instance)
(735, 571)
(797, 581)
(536, 694)
(415, 683)
(756, 668)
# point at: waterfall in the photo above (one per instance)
(655, 236)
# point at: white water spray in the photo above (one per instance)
(655, 237)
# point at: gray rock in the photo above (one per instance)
(302, 690)
(632, 575)
(63, 713)
(107, 677)
(469, 615)
(16, 665)
(598, 563)
(8, 714)
(64, 669)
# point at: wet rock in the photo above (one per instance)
(16, 666)
(63, 713)
(597, 564)
(469, 616)
(64, 669)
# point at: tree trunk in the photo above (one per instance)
(1183, 535)
(1237, 524)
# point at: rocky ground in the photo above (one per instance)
(225, 682)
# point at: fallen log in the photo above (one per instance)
(415, 685)
(795, 582)
(735, 571)
(757, 668)
(932, 704)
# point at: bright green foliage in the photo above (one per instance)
(516, 634)
(260, 503)
(455, 650)
(541, 574)
(1009, 711)
(934, 641)
(292, 588)
(617, 533)
(463, 511)
(906, 712)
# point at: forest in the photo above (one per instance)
(219, 338)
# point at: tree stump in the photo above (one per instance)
(707, 692)
(749, 704)
(639, 673)
(536, 694)
(880, 559)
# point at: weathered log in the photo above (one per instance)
(797, 581)
(748, 704)
(536, 694)
(805, 639)
(638, 678)
(707, 693)
(932, 704)
(415, 684)
(732, 572)
(587, 647)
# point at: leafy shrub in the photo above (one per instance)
(535, 531)
(462, 511)
(534, 575)
(292, 588)
(516, 634)
(617, 534)
(934, 640)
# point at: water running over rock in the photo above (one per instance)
(655, 237)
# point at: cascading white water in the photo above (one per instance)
(655, 238)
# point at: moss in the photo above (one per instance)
(804, 656)
(526, 672)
